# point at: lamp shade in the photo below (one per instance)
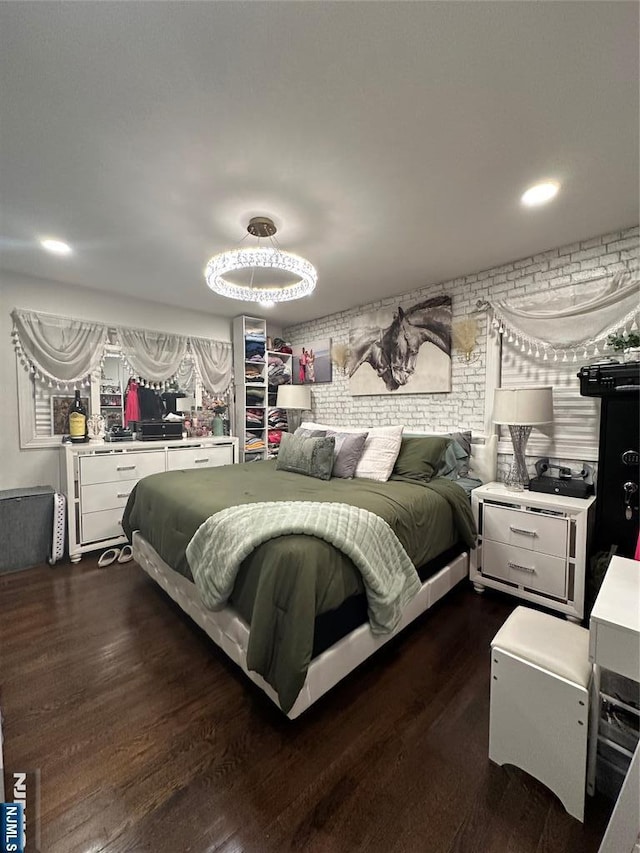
(524, 406)
(294, 397)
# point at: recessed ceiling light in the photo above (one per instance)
(56, 246)
(540, 193)
(266, 303)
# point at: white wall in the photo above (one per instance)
(464, 406)
(40, 467)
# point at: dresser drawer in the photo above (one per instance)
(101, 496)
(120, 466)
(180, 458)
(101, 525)
(536, 571)
(531, 530)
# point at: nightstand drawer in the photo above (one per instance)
(533, 531)
(536, 571)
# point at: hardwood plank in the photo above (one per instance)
(149, 739)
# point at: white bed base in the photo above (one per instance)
(231, 633)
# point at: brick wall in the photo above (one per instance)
(464, 405)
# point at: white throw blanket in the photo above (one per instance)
(225, 539)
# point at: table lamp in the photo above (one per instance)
(295, 399)
(521, 409)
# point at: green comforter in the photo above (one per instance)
(287, 581)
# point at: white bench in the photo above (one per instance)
(540, 691)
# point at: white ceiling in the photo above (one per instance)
(390, 141)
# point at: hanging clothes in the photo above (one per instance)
(131, 403)
(150, 404)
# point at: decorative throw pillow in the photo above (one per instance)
(454, 460)
(310, 456)
(380, 449)
(421, 456)
(464, 440)
(310, 433)
(380, 453)
(349, 447)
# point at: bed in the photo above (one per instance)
(296, 620)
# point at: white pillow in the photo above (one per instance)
(483, 460)
(380, 452)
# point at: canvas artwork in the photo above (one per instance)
(60, 413)
(311, 362)
(402, 350)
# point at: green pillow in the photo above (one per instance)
(420, 456)
(312, 457)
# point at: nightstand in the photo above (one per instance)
(532, 545)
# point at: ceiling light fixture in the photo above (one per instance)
(540, 193)
(303, 275)
(57, 247)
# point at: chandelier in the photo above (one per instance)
(301, 275)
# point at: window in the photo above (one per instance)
(42, 407)
(574, 432)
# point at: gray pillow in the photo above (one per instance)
(310, 433)
(452, 460)
(310, 456)
(464, 440)
(349, 448)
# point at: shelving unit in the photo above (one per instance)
(255, 395)
(614, 649)
(276, 417)
(111, 397)
(250, 372)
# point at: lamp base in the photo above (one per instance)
(517, 480)
(294, 419)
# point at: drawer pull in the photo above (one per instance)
(123, 494)
(196, 461)
(520, 568)
(125, 467)
(523, 530)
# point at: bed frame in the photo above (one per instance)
(231, 633)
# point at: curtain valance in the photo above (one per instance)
(57, 349)
(213, 362)
(576, 318)
(67, 351)
(154, 355)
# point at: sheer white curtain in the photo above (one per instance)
(58, 349)
(68, 351)
(577, 317)
(214, 364)
(156, 356)
(185, 376)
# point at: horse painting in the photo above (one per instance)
(392, 350)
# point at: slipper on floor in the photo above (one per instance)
(109, 557)
(126, 554)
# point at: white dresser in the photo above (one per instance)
(98, 478)
(532, 545)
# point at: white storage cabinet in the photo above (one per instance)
(532, 545)
(97, 480)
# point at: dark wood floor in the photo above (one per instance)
(148, 739)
